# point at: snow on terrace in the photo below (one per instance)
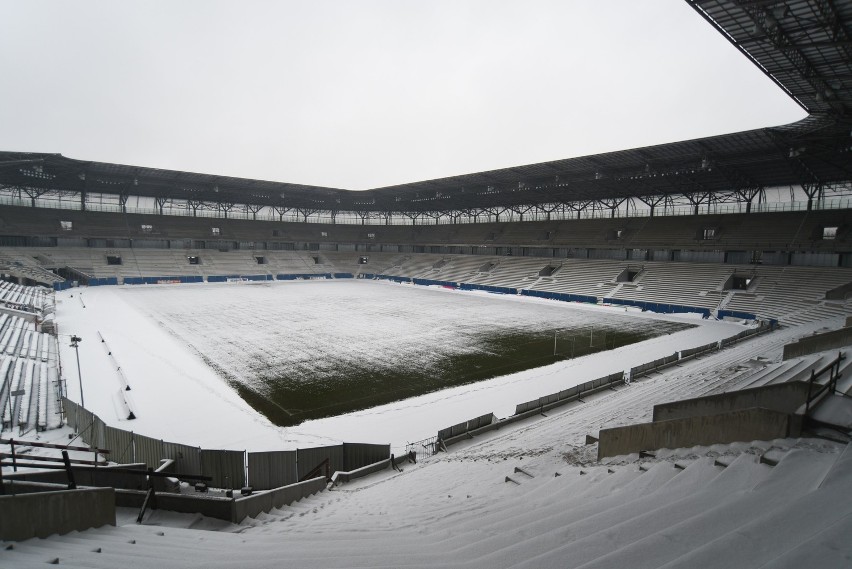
(457, 509)
(157, 339)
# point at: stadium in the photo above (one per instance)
(630, 359)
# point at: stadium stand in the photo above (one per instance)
(531, 495)
(646, 513)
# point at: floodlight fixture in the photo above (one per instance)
(75, 343)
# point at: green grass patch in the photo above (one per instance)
(339, 388)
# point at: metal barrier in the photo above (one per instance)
(833, 370)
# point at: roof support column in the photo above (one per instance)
(652, 202)
(812, 191)
(281, 211)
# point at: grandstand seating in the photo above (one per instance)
(677, 283)
(785, 231)
(592, 277)
(28, 361)
(511, 272)
(797, 369)
(791, 294)
(725, 507)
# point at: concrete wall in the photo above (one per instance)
(341, 477)
(229, 509)
(745, 425)
(783, 397)
(46, 513)
(212, 506)
(819, 343)
(250, 506)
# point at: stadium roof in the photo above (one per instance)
(803, 46)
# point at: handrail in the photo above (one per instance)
(122, 469)
(317, 469)
(14, 458)
(833, 368)
(49, 445)
(12, 443)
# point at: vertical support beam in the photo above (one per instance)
(12, 444)
(70, 473)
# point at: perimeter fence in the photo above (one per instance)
(484, 423)
(227, 468)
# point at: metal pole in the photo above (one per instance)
(75, 342)
(10, 414)
(554, 343)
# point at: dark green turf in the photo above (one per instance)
(335, 390)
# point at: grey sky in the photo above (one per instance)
(362, 94)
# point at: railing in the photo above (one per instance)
(423, 449)
(397, 218)
(324, 465)
(40, 461)
(833, 369)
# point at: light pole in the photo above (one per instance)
(75, 343)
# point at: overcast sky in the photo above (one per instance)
(363, 94)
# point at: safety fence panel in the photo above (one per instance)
(226, 278)
(120, 444)
(307, 459)
(480, 421)
(737, 314)
(548, 399)
(357, 455)
(225, 467)
(70, 412)
(698, 350)
(187, 458)
(616, 377)
(429, 282)
(273, 469)
(86, 425)
(570, 392)
(564, 297)
(344, 276)
(147, 450)
(167, 279)
(639, 370)
(449, 432)
(526, 406)
(488, 288)
(658, 306)
(103, 281)
(464, 427)
(97, 432)
(393, 278)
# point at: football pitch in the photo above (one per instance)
(306, 350)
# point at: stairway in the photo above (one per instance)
(725, 508)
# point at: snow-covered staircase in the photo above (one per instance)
(689, 508)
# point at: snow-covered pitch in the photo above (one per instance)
(176, 344)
